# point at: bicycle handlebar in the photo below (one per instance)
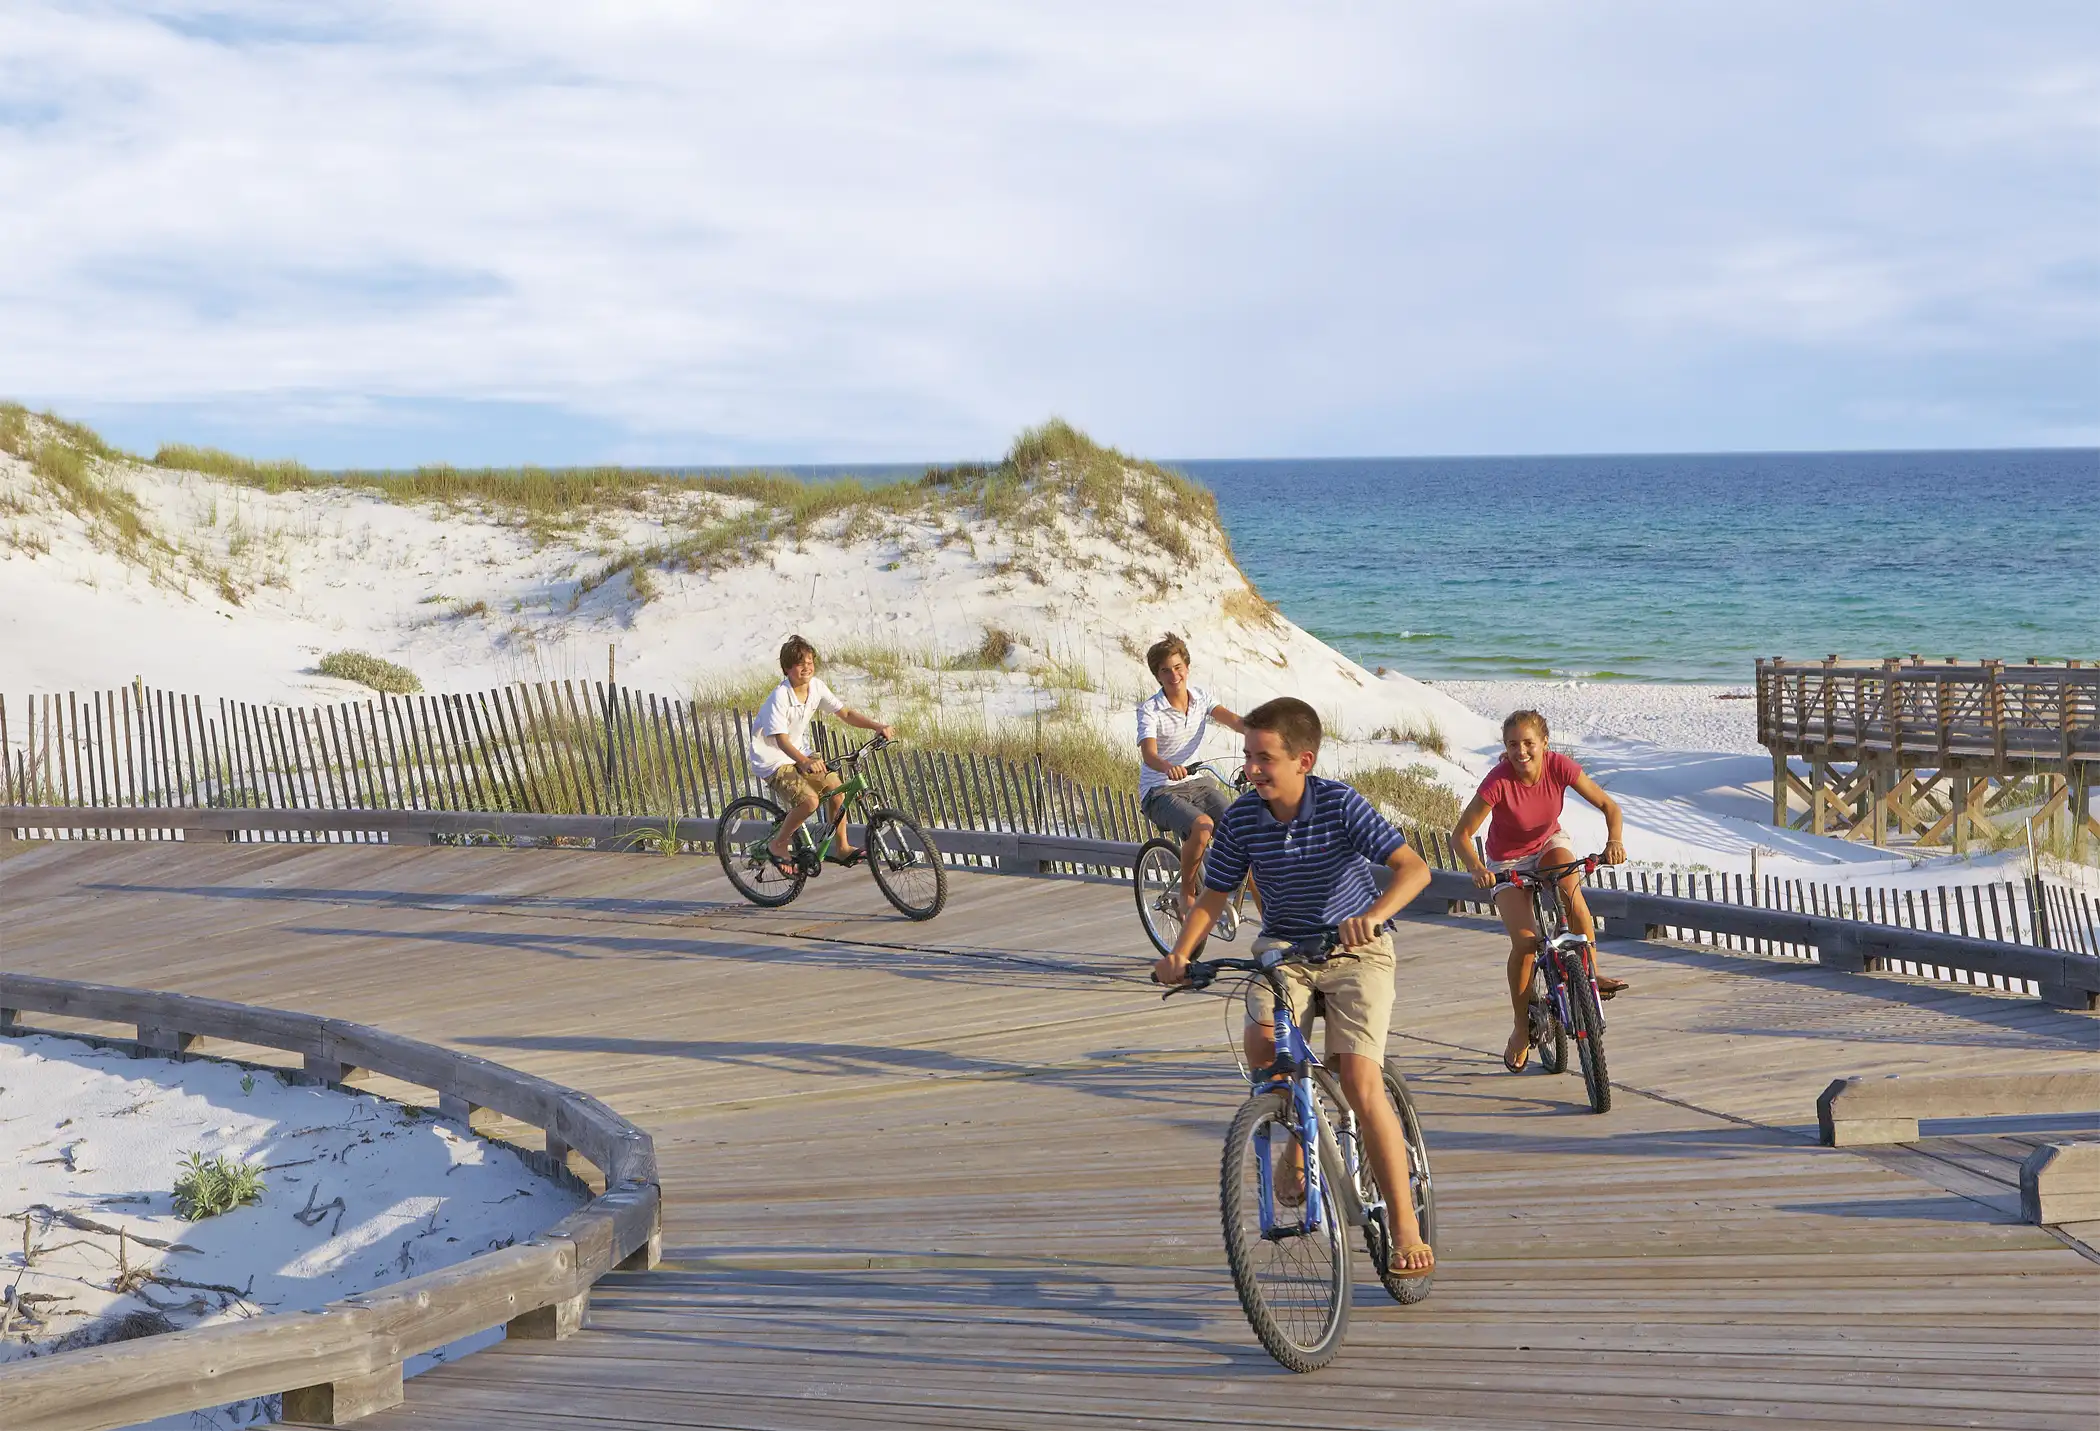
(1316, 949)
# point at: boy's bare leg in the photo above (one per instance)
(783, 842)
(835, 805)
(1192, 851)
(1259, 1042)
(1514, 905)
(1385, 1146)
(1580, 921)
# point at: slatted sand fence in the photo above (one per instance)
(559, 747)
(963, 1174)
(608, 751)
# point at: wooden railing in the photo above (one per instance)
(345, 1359)
(1873, 930)
(1931, 714)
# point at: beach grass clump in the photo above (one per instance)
(206, 1187)
(1413, 795)
(64, 456)
(1422, 734)
(370, 670)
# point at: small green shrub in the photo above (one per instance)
(207, 1187)
(991, 652)
(369, 670)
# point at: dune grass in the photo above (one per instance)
(63, 456)
(1412, 795)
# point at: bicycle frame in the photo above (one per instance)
(1569, 954)
(1293, 1069)
(848, 795)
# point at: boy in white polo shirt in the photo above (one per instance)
(779, 735)
(1171, 726)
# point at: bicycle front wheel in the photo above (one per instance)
(1589, 1039)
(1158, 881)
(906, 865)
(1548, 1035)
(741, 835)
(1377, 1236)
(1293, 1280)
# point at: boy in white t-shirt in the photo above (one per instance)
(779, 732)
(1171, 727)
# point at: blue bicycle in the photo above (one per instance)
(1286, 1216)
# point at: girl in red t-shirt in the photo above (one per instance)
(1520, 802)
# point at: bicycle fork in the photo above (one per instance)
(1292, 1054)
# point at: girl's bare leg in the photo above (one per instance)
(1514, 905)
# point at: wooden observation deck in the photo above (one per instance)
(1938, 751)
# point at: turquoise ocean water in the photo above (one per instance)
(1673, 568)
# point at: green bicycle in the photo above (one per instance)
(905, 862)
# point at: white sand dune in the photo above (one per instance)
(249, 588)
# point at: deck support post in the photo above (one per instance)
(337, 1403)
(555, 1322)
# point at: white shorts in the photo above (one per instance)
(1555, 853)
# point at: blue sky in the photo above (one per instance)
(392, 233)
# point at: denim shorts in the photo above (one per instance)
(1178, 807)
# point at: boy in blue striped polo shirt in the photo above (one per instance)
(1311, 844)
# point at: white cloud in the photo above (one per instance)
(866, 231)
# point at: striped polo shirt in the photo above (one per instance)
(1313, 872)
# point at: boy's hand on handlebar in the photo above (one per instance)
(1177, 772)
(1484, 878)
(1170, 971)
(1614, 853)
(1355, 932)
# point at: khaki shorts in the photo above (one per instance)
(1358, 994)
(791, 787)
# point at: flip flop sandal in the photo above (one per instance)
(1520, 1064)
(1610, 988)
(1413, 1272)
(847, 861)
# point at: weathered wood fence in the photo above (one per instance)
(660, 766)
(567, 747)
(340, 1361)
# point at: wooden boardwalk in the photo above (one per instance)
(963, 1174)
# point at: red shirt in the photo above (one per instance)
(1526, 817)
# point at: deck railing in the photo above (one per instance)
(587, 762)
(1931, 713)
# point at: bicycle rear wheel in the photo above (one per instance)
(1589, 1039)
(1377, 1238)
(906, 865)
(1548, 1035)
(1157, 879)
(744, 858)
(1293, 1282)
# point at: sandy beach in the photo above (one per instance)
(1672, 717)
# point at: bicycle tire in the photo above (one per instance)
(1406, 1290)
(1548, 1035)
(906, 864)
(1156, 879)
(1589, 1041)
(1295, 1290)
(746, 863)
